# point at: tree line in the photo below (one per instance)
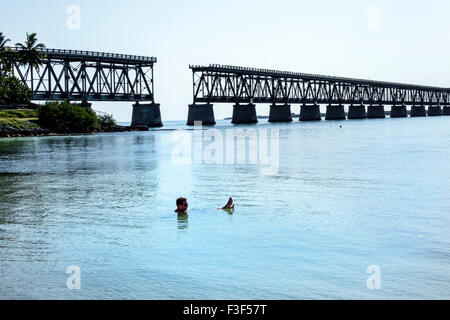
(29, 53)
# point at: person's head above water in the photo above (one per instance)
(182, 205)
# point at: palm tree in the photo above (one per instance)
(3, 41)
(30, 54)
(3, 52)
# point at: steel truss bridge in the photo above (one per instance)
(222, 83)
(88, 76)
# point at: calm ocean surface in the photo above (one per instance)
(372, 192)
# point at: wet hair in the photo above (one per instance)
(180, 201)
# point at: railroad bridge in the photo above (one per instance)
(86, 76)
(365, 98)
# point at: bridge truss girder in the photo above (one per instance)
(83, 80)
(247, 85)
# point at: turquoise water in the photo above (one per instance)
(372, 192)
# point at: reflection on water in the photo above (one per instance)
(229, 211)
(182, 221)
(367, 193)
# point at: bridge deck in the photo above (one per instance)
(77, 55)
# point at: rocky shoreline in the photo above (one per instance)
(9, 132)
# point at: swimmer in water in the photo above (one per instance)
(229, 205)
(182, 206)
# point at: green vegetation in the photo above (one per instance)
(106, 122)
(3, 41)
(13, 91)
(58, 117)
(63, 116)
(18, 123)
(19, 118)
(5, 63)
(19, 113)
(30, 53)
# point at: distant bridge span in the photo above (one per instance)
(246, 86)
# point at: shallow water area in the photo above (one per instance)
(346, 195)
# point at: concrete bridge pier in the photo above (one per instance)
(375, 112)
(244, 113)
(280, 113)
(446, 111)
(398, 111)
(418, 111)
(335, 112)
(201, 112)
(310, 112)
(147, 114)
(434, 111)
(357, 112)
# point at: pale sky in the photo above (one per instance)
(400, 41)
